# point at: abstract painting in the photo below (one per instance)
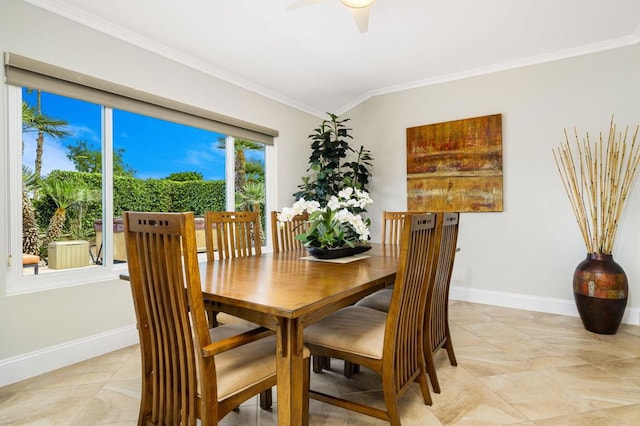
(455, 166)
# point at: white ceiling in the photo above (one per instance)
(315, 59)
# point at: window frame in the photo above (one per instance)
(17, 283)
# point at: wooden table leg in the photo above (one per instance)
(290, 368)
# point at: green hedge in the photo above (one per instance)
(130, 194)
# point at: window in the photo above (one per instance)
(84, 162)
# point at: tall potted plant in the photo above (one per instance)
(333, 163)
(333, 193)
(597, 177)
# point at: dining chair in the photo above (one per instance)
(232, 234)
(390, 344)
(392, 223)
(283, 234)
(437, 333)
(189, 372)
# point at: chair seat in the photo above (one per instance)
(354, 329)
(224, 318)
(241, 367)
(380, 300)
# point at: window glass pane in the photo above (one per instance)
(152, 165)
(62, 181)
(250, 179)
(163, 166)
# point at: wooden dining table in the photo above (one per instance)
(286, 291)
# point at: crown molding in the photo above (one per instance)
(504, 66)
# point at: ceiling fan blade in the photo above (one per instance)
(361, 16)
(298, 4)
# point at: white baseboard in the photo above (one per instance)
(529, 303)
(28, 365)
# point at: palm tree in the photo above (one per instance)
(30, 238)
(34, 120)
(254, 171)
(64, 195)
(240, 147)
(252, 198)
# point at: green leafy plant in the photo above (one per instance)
(333, 164)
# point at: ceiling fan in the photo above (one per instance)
(359, 10)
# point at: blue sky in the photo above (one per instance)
(153, 148)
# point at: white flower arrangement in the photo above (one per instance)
(339, 224)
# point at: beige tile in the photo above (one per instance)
(488, 360)
(629, 329)
(47, 406)
(545, 328)
(536, 354)
(626, 369)
(130, 369)
(501, 314)
(461, 313)
(626, 415)
(535, 395)
(461, 337)
(117, 402)
(590, 418)
(589, 348)
(465, 400)
(600, 387)
(625, 342)
(495, 332)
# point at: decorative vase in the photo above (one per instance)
(335, 253)
(600, 290)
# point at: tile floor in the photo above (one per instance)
(514, 368)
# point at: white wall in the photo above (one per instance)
(528, 252)
(43, 330)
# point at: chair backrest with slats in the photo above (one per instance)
(283, 234)
(162, 260)
(403, 344)
(438, 296)
(392, 224)
(236, 234)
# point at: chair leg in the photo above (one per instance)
(391, 403)
(212, 316)
(350, 369)
(326, 362)
(266, 398)
(317, 363)
(431, 370)
(424, 388)
(321, 363)
(449, 347)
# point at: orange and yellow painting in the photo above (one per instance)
(455, 166)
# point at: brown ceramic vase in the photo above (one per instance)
(600, 290)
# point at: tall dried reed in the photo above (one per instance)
(597, 177)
